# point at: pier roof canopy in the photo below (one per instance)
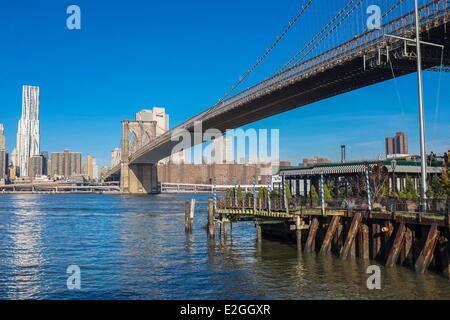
(348, 168)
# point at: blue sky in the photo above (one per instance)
(184, 55)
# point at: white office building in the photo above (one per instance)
(116, 157)
(222, 151)
(156, 114)
(28, 134)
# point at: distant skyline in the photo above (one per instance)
(183, 56)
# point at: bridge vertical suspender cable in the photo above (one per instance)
(392, 8)
(314, 39)
(278, 39)
(321, 32)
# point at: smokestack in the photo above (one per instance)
(343, 153)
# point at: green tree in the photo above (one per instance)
(436, 190)
(327, 193)
(446, 182)
(410, 189)
(229, 194)
(288, 192)
(313, 195)
(239, 193)
(263, 193)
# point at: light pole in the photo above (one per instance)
(423, 151)
(394, 182)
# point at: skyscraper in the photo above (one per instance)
(91, 168)
(222, 150)
(116, 156)
(397, 145)
(45, 159)
(156, 114)
(28, 133)
(3, 161)
(65, 164)
(35, 166)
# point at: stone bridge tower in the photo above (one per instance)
(137, 178)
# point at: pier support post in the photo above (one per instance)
(211, 218)
(406, 255)
(443, 251)
(310, 241)
(298, 233)
(363, 241)
(332, 228)
(189, 211)
(349, 242)
(396, 246)
(375, 241)
(258, 232)
(426, 255)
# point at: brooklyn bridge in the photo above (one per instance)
(345, 54)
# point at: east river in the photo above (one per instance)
(129, 247)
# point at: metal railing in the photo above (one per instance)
(296, 204)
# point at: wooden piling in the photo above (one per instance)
(211, 218)
(189, 211)
(338, 241)
(298, 233)
(375, 241)
(443, 252)
(332, 229)
(225, 229)
(349, 242)
(406, 256)
(363, 241)
(426, 255)
(396, 246)
(258, 232)
(310, 241)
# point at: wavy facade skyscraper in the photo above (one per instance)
(3, 164)
(28, 134)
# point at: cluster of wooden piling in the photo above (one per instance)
(392, 239)
(221, 220)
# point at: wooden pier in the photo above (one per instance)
(419, 241)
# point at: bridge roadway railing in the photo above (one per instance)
(246, 204)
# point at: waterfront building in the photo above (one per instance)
(179, 157)
(303, 177)
(156, 114)
(65, 164)
(222, 150)
(397, 146)
(35, 167)
(90, 168)
(116, 156)
(45, 159)
(3, 156)
(104, 172)
(316, 160)
(12, 173)
(222, 173)
(28, 134)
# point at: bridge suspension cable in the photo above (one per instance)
(320, 33)
(334, 28)
(277, 40)
(316, 43)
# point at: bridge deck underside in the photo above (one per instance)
(341, 78)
